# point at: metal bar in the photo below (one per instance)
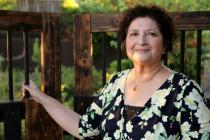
(104, 53)
(26, 61)
(12, 121)
(166, 58)
(198, 58)
(182, 51)
(9, 60)
(119, 52)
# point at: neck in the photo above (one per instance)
(146, 73)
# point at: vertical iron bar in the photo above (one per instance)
(26, 60)
(9, 59)
(198, 58)
(166, 57)
(119, 52)
(104, 59)
(182, 51)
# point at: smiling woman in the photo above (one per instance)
(144, 41)
(149, 101)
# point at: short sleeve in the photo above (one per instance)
(195, 115)
(90, 121)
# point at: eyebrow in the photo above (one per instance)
(136, 30)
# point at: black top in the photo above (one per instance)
(131, 111)
(177, 110)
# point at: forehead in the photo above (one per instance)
(145, 23)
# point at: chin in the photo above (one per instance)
(141, 58)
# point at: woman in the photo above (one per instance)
(149, 101)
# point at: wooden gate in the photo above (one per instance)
(39, 124)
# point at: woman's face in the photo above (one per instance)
(144, 42)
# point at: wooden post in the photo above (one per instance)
(82, 59)
(39, 125)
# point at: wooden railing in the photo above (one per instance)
(36, 119)
(38, 124)
(85, 25)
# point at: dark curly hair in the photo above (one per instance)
(158, 14)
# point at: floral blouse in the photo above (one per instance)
(177, 110)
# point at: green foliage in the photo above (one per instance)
(190, 53)
(102, 6)
(18, 77)
(174, 5)
(97, 77)
(36, 52)
(125, 64)
(7, 4)
(67, 86)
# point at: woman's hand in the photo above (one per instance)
(34, 91)
(67, 119)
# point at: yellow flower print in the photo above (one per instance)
(159, 97)
(111, 116)
(97, 109)
(129, 127)
(148, 136)
(118, 100)
(203, 116)
(164, 118)
(181, 82)
(108, 88)
(190, 102)
(185, 127)
(146, 114)
(117, 134)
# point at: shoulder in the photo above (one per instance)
(115, 83)
(118, 75)
(185, 86)
(190, 90)
(184, 81)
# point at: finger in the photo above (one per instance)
(23, 83)
(32, 83)
(25, 87)
(23, 92)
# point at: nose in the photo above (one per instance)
(142, 40)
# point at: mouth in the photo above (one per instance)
(143, 50)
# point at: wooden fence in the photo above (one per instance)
(36, 119)
(38, 123)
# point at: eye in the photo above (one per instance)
(134, 34)
(152, 34)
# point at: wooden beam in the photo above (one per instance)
(82, 55)
(39, 125)
(198, 20)
(13, 20)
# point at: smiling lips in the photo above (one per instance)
(142, 50)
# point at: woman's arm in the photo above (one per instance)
(67, 119)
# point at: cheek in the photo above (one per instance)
(128, 45)
(159, 48)
(128, 48)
